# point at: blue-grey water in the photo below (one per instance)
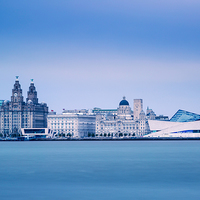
(94, 170)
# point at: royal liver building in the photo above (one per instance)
(17, 114)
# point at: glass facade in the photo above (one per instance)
(184, 116)
(34, 130)
(1, 102)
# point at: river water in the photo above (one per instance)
(94, 170)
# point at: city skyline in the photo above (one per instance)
(85, 54)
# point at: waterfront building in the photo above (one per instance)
(162, 118)
(174, 129)
(35, 133)
(122, 123)
(150, 114)
(17, 114)
(182, 124)
(76, 111)
(104, 111)
(137, 108)
(184, 116)
(72, 123)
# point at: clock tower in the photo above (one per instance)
(32, 93)
(17, 114)
(17, 97)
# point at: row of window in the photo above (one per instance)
(61, 127)
(117, 125)
(58, 119)
(70, 130)
(62, 124)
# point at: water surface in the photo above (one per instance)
(94, 170)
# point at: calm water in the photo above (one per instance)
(120, 170)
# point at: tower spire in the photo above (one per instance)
(17, 92)
(32, 93)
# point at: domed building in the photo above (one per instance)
(17, 114)
(124, 110)
(122, 123)
(124, 102)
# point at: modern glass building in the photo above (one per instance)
(184, 116)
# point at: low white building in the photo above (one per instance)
(35, 132)
(73, 124)
(174, 129)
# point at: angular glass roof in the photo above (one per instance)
(184, 116)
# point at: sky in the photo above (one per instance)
(91, 53)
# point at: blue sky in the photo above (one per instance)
(85, 54)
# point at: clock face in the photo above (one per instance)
(15, 94)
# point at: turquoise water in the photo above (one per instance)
(94, 170)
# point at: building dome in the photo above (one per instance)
(124, 102)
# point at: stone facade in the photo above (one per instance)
(122, 123)
(75, 124)
(17, 114)
(137, 108)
